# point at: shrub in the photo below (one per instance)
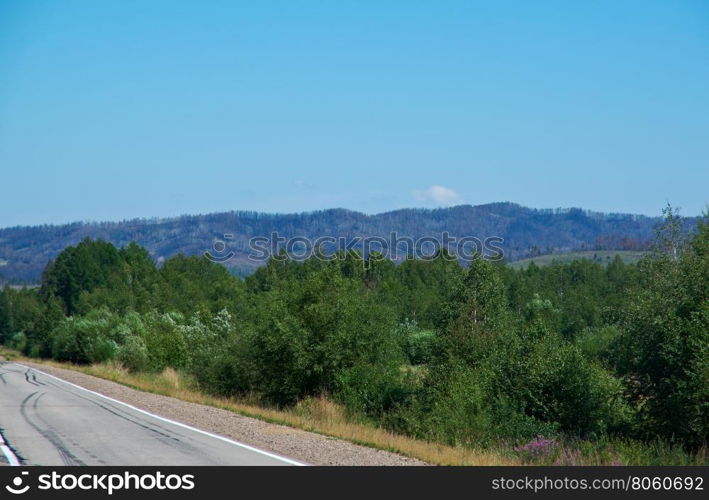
(664, 348)
(204, 335)
(230, 371)
(455, 405)
(370, 389)
(86, 339)
(598, 343)
(562, 386)
(133, 354)
(417, 344)
(165, 341)
(18, 341)
(303, 338)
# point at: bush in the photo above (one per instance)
(370, 389)
(664, 348)
(228, 374)
(303, 338)
(204, 336)
(455, 405)
(165, 341)
(598, 343)
(563, 387)
(133, 354)
(550, 380)
(417, 344)
(86, 339)
(18, 341)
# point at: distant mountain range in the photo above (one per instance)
(24, 251)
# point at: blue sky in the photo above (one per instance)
(114, 110)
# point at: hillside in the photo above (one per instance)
(24, 251)
(603, 257)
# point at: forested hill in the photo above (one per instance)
(24, 251)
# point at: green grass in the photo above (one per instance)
(601, 256)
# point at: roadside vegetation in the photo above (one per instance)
(571, 363)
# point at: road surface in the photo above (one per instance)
(47, 421)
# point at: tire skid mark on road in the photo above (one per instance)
(7, 367)
(49, 434)
(163, 432)
(34, 378)
(9, 370)
(61, 434)
(27, 378)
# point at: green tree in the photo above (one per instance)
(307, 332)
(664, 347)
(191, 284)
(82, 268)
(476, 313)
(6, 328)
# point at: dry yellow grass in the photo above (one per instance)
(314, 414)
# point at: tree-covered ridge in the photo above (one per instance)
(476, 356)
(527, 232)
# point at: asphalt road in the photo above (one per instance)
(47, 421)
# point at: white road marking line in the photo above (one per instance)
(179, 424)
(11, 457)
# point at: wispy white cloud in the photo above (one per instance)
(439, 195)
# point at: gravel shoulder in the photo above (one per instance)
(308, 447)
